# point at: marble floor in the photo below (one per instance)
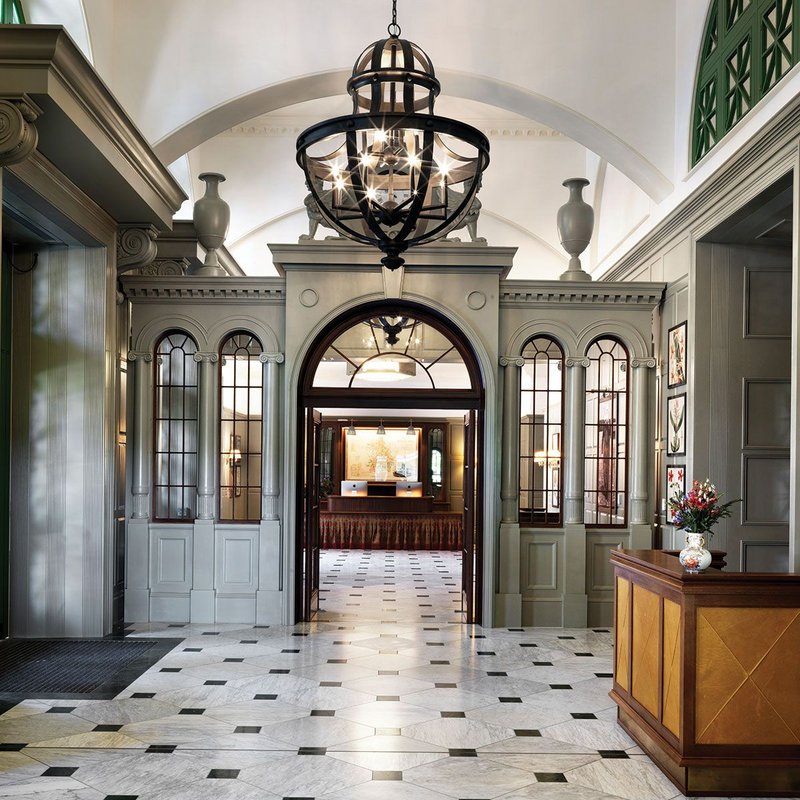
(386, 696)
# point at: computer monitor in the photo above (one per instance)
(408, 489)
(354, 488)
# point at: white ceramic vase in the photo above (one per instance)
(694, 557)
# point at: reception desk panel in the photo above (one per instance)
(707, 674)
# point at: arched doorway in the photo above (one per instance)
(389, 357)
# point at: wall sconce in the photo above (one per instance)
(381, 431)
(351, 431)
(410, 429)
(551, 458)
(235, 463)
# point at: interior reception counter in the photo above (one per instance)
(707, 673)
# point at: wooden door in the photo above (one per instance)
(470, 605)
(311, 515)
(749, 398)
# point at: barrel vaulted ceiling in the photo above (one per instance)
(571, 88)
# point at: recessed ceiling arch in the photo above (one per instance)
(469, 86)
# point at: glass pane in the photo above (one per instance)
(162, 502)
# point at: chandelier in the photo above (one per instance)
(392, 174)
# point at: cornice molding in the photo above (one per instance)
(781, 132)
(535, 294)
(43, 61)
(225, 290)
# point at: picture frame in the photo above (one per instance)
(389, 457)
(676, 425)
(676, 484)
(676, 355)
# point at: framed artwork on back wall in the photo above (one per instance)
(676, 361)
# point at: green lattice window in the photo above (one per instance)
(748, 46)
(11, 12)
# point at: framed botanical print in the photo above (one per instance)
(676, 361)
(676, 484)
(676, 425)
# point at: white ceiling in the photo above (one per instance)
(601, 90)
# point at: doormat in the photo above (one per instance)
(90, 669)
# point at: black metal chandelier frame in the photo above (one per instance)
(389, 190)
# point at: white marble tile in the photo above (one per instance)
(468, 777)
(458, 733)
(177, 729)
(387, 714)
(392, 762)
(317, 731)
(635, 778)
(595, 733)
(306, 776)
(385, 790)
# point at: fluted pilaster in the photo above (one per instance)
(576, 418)
(509, 474)
(206, 435)
(270, 462)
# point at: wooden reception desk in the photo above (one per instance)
(707, 673)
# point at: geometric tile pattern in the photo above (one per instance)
(623, 604)
(748, 671)
(386, 696)
(645, 653)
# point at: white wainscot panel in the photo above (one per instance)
(236, 569)
(171, 559)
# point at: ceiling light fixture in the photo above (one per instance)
(393, 174)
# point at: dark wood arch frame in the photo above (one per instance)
(309, 396)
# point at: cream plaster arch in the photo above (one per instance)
(220, 331)
(633, 340)
(565, 336)
(469, 86)
(491, 453)
(154, 330)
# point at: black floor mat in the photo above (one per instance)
(75, 668)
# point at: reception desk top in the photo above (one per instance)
(707, 673)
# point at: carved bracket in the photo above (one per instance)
(512, 361)
(136, 247)
(18, 134)
(165, 267)
(272, 358)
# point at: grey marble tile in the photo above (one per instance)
(387, 715)
(317, 731)
(635, 778)
(458, 733)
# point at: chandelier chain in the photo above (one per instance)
(393, 28)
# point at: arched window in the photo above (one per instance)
(11, 12)
(748, 46)
(606, 456)
(540, 432)
(241, 404)
(175, 468)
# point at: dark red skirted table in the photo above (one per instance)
(384, 531)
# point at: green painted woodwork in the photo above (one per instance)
(11, 12)
(5, 436)
(748, 46)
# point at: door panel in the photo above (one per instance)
(750, 291)
(311, 515)
(470, 553)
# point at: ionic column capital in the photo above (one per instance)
(208, 358)
(572, 361)
(272, 358)
(140, 355)
(649, 363)
(512, 361)
(18, 134)
(136, 247)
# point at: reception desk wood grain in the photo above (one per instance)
(707, 673)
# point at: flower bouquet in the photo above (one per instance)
(697, 511)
